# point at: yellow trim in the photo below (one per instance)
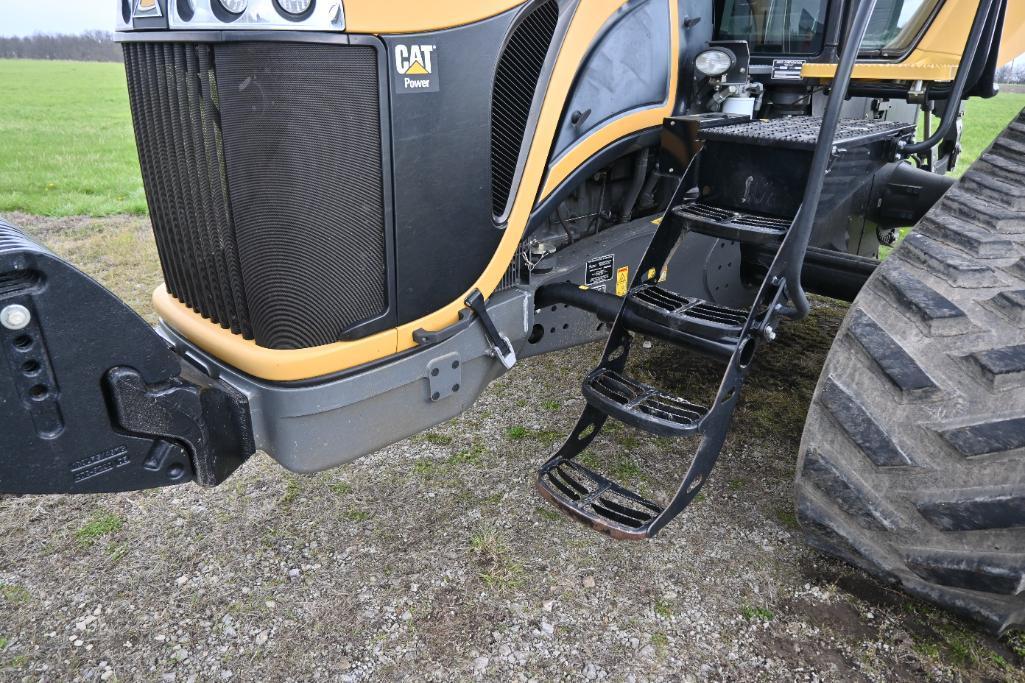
(415, 16)
(935, 58)
(287, 365)
(886, 72)
(619, 127)
(273, 364)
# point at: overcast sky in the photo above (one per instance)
(25, 17)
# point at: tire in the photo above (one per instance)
(912, 463)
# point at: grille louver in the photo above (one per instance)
(516, 80)
(263, 168)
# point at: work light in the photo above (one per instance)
(714, 62)
(295, 6)
(234, 6)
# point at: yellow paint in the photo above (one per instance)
(603, 136)
(935, 58)
(272, 364)
(1012, 43)
(285, 365)
(622, 280)
(416, 69)
(414, 16)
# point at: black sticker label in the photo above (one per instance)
(787, 69)
(598, 270)
(416, 68)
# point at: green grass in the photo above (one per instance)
(96, 528)
(984, 120)
(752, 613)
(68, 146)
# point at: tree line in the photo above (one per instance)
(1011, 73)
(91, 46)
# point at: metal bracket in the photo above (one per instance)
(499, 342)
(444, 375)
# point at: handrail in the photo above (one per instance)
(960, 81)
(803, 223)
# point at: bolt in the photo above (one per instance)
(769, 334)
(15, 317)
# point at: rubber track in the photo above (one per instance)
(912, 464)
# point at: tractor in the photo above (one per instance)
(368, 210)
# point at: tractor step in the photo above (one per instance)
(692, 316)
(640, 405)
(729, 224)
(596, 501)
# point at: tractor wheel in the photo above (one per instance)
(912, 464)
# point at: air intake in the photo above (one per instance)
(516, 78)
(263, 166)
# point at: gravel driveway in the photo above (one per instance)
(435, 560)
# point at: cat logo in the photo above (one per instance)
(415, 65)
(147, 8)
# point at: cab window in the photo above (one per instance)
(785, 27)
(896, 25)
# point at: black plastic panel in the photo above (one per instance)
(445, 234)
(627, 69)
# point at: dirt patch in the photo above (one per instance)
(434, 559)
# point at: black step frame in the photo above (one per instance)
(782, 282)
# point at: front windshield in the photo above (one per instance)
(797, 27)
(895, 25)
(785, 27)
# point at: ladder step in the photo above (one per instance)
(678, 313)
(640, 405)
(731, 225)
(598, 502)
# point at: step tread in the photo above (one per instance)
(681, 312)
(731, 224)
(597, 501)
(641, 405)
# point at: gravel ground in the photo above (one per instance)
(434, 559)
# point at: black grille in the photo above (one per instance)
(516, 77)
(263, 170)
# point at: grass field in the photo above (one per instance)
(68, 148)
(66, 140)
(984, 119)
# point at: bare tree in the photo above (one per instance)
(1011, 73)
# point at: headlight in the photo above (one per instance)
(234, 6)
(295, 6)
(714, 62)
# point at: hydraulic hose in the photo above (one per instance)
(960, 81)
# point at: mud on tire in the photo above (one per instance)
(912, 464)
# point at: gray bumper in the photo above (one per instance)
(316, 425)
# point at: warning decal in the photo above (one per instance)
(622, 280)
(599, 270)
